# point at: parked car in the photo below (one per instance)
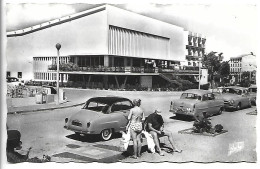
(252, 91)
(195, 102)
(13, 81)
(235, 97)
(101, 115)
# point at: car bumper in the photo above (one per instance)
(79, 130)
(182, 112)
(228, 106)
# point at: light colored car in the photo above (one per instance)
(195, 102)
(252, 91)
(101, 115)
(235, 97)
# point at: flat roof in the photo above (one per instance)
(58, 21)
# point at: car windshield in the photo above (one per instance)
(233, 91)
(96, 106)
(190, 96)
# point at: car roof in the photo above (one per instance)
(236, 87)
(197, 91)
(11, 78)
(109, 100)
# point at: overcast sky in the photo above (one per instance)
(229, 28)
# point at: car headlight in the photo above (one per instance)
(88, 124)
(231, 102)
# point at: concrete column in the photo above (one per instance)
(117, 82)
(106, 60)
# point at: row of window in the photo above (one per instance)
(53, 59)
(235, 69)
(235, 65)
(195, 52)
(49, 76)
(90, 61)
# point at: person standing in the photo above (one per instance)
(155, 126)
(136, 118)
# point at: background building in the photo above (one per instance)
(242, 63)
(105, 47)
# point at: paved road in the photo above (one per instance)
(45, 133)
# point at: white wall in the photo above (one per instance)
(204, 76)
(125, 19)
(248, 63)
(82, 36)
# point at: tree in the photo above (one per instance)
(224, 69)
(212, 62)
(245, 82)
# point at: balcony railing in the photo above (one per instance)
(173, 69)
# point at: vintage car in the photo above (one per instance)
(252, 91)
(195, 102)
(235, 97)
(13, 81)
(101, 115)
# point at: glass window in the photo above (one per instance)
(124, 105)
(211, 96)
(190, 96)
(96, 106)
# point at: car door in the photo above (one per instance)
(211, 107)
(205, 105)
(245, 98)
(216, 104)
(119, 114)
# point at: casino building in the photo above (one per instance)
(109, 45)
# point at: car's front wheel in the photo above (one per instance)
(220, 111)
(238, 106)
(250, 104)
(106, 134)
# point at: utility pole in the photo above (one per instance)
(58, 46)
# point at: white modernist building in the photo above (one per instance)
(105, 44)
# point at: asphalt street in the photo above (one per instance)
(44, 132)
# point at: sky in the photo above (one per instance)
(230, 28)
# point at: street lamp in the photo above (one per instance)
(199, 71)
(58, 46)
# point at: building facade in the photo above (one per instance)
(243, 63)
(101, 45)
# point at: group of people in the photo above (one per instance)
(153, 124)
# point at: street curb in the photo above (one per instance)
(44, 109)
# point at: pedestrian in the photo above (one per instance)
(136, 118)
(13, 144)
(155, 126)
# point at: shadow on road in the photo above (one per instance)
(182, 118)
(90, 138)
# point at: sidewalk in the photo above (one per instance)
(42, 107)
